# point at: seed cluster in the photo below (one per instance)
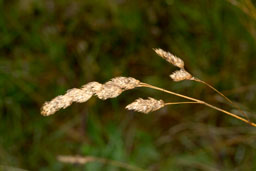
(178, 75)
(145, 105)
(110, 89)
(176, 61)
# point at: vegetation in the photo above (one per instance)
(47, 47)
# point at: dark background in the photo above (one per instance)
(47, 47)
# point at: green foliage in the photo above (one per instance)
(47, 47)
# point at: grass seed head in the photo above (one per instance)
(116, 86)
(78, 95)
(72, 95)
(181, 75)
(176, 61)
(92, 87)
(126, 83)
(109, 91)
(145, 105)
(59, 102)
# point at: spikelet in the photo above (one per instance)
(126, 83)
(176, 61)
(116, 86)
(54, 105)
(145, 105)
(92, 87)
(110, 89)
(181, 75)
(78, 95)
(72, 95)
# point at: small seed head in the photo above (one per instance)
(79, 95)
(72, 95)
(92, 87)
(181, 75)
(59, 102)
(126, 83)
(176, 61)
(109, 91)
(145, 105)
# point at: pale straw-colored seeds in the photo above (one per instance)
(126, 83)
(180, 75)
(176, 61)
(117, 85)
(72, 95)
(145, 105)
(110, 89)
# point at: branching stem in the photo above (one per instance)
(174, 103)
(198, 101)
(217, 91)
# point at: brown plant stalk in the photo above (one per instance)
(200, 102)
(225, 97)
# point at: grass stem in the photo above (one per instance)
(199, 101)
(217, 91)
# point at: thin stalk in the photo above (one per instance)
(170, 92)
(87, 159)
(217, 91)
(174, 103)
(198, 101)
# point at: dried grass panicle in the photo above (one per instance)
(110, 89)
(176, 61)
(78, 95)
(145, 105)
(126, 83)
(92, 87)
(59, 102)
(72, 95)
(116, 86)
(180, 75)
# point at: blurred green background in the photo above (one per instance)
(47, 47)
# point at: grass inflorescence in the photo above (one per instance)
(117, 85)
